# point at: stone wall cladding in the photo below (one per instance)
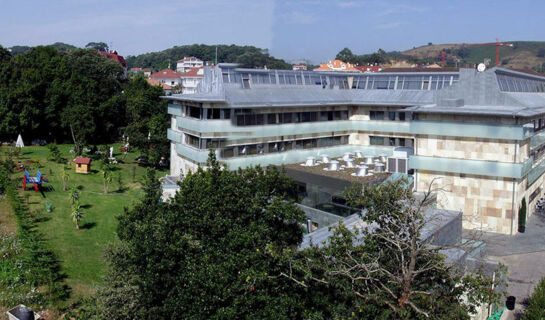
(485, 201)
(466, 148)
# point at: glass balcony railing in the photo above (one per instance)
(454, 129)
(473, 167)
(174, 136)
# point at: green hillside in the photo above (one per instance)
(514, 54)
(15, 50)
(247, 56)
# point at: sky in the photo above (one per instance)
(290, 29)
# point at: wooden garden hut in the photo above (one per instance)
(83, 165)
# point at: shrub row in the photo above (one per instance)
(29, 271)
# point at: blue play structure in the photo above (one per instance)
(36, 181)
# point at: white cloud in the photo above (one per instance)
(299, 17)
(351, 4)
(388, 25)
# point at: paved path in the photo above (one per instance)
(523, 254)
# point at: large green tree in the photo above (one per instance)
(203, 256)
(147, 119)
(385, 269)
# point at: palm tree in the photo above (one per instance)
(74, 195)
(65, 176)
(77, 214)
(107, 180)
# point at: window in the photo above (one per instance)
(391, 116)
(401, 142)
(79, 165)
(192, 140)
(392, 142)
(226, 113)
(376, 115)
(194, 112)
(213, 114)
(401, 116)
(376, 141)
(287, 118)
(228, 152)
(271, 118)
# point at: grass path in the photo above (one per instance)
(80, 251)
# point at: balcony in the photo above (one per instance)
(473, 167)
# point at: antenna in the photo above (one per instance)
(216, 56)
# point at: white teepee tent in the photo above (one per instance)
(19, 143)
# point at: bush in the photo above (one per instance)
(55, 153)
(536, 305)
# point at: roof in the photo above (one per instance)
(155, 82)
(146, 69)
(136, 69)
(463, 91)
(114, 56)
(369, 68)
(191, 58)
(83, 160)
(336, 65)
(165, 74)
(421, 69)
(436, 221)
(193, 73)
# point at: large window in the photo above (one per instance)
(194, 112)
(376, 115)
(192, 141)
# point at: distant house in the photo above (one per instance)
(191, 79)
(167, 88)
(187, 63)
(112, 55)
(172, 78)
(83, 165)
(369, 68)
(147, 72)
(299, 67)
(336, 65)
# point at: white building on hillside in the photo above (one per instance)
(185, 64)
(191, 79)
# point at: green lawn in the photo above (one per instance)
(80, 251)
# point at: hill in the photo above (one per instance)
(516, 54)
(247, 56)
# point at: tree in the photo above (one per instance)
(107, 177)
(385, 270)
(345, 55)
(64, 177)
(536, 303)
(74, 196)
(463, 52)
(147, 119)
(5, 56)
(77, 214)
(210, 263)
(99, 46)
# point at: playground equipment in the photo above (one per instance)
(37, 181)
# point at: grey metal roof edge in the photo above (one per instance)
(519, 73)
(198, 99)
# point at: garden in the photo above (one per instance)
(74, 218)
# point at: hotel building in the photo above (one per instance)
(475, 135)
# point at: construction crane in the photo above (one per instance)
(498, 44)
